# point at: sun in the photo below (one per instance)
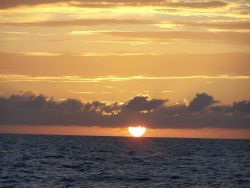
(137, 131)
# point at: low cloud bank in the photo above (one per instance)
(203, 111)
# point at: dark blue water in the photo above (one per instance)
(67, 161)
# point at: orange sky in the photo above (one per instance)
(114, 50)
(96, 131)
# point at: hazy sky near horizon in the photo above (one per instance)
(113, 50)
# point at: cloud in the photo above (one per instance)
(224, 25)
(42, 54)
(204, 4)
(79, 79)
(239, 25)
(242, 106)
(241, 38)
(83, 3)
(244, 12)
(139, 103)
(201, 101)
(4, 4)
(30, 109)
(170, 66)
(79, 22)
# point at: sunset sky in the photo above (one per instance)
(164, 56)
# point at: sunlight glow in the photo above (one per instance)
(137, 131)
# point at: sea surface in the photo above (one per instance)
(78, 161)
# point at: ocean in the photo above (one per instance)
(81, 161)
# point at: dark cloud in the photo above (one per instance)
(30, 109)
(201, 101)
(4, 4)
(242, 106)
(140, 103)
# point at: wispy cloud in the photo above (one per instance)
(15, 32)
(222, 37)
(116, 3)
(86, 54)
(81, 92)
(222, 25)
(197, 4)
(40, 53)
(27, 78)
(79, 22)
(174, 25)
(167, 91)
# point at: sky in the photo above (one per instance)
(180, 68)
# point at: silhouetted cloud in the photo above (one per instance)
(140, 103)
(201, 101)
(203, 111)
(242, 106)
(109, 3)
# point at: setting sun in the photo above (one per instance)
(137, 131)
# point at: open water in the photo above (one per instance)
(78, 161)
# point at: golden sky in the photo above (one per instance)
(113, 50)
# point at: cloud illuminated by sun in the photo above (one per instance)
(137, 131)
